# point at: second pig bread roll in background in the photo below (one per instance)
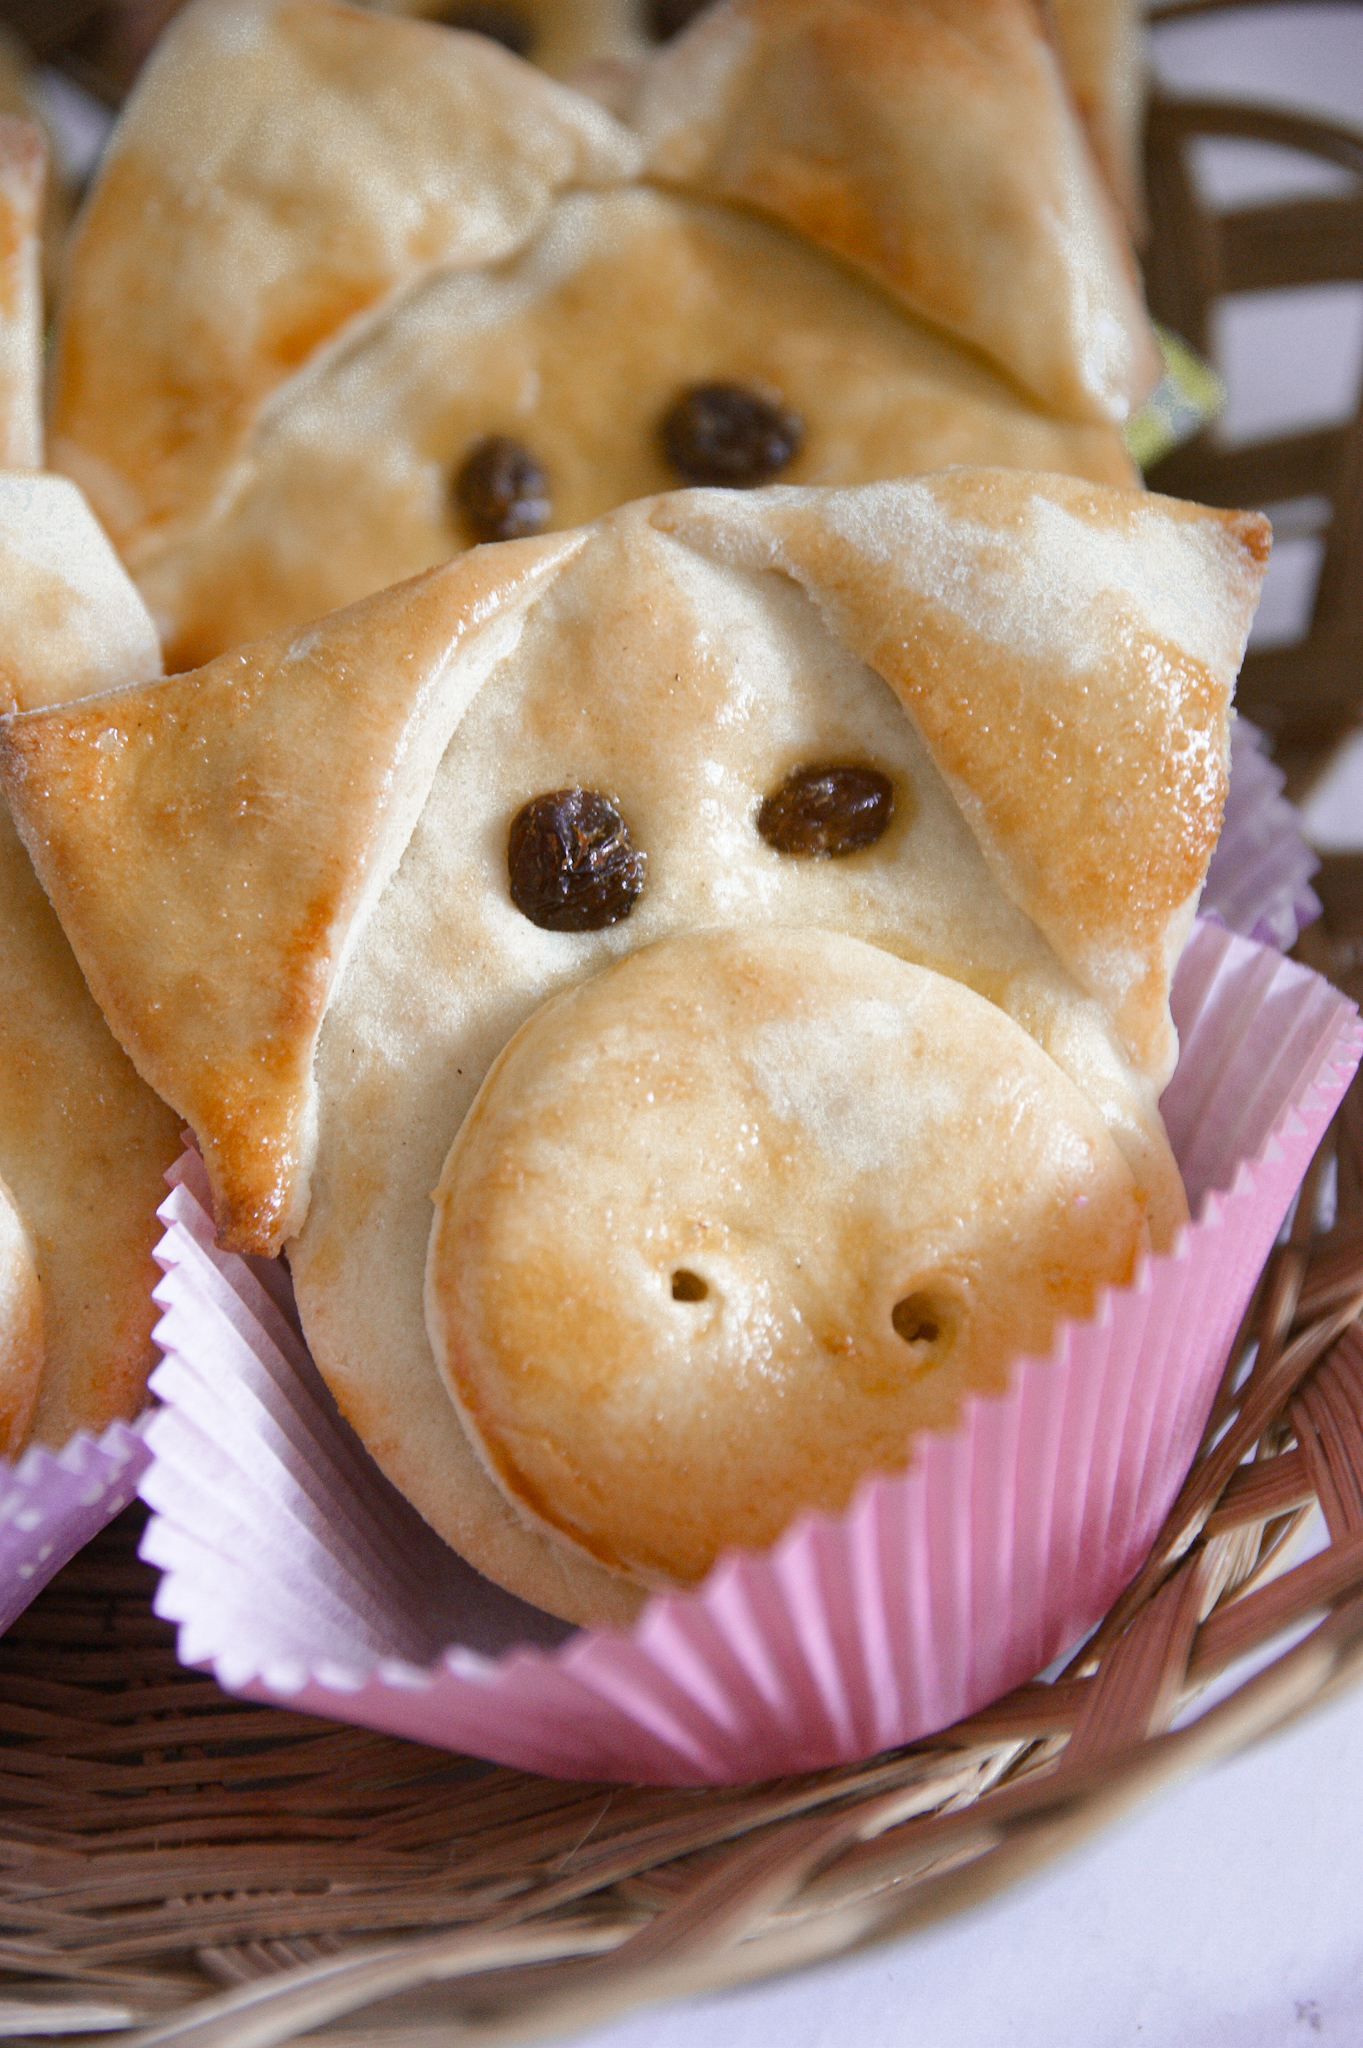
(352, 292)
(292, 879)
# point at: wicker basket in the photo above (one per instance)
(223, 1874)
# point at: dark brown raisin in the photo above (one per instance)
(667, 18)
(501, 491)
(823, 812)
(725, 434)
(571, 863)
(508, 26)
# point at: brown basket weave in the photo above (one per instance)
(225, 1875)
(1306, 695)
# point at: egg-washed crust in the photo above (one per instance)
(825, 114)
(214, 843)
(23, 180)
(295, 181)
(71, 620)
(84, 1147)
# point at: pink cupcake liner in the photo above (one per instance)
(53, 1502)
(298, 1575)
(1259, 879)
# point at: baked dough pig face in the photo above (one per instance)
(354, 292)
(751, 915)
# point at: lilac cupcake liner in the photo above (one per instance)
(1258, 883)
(53, 1502)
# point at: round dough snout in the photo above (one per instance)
(732, 1220)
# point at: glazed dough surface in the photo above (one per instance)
(685, 691)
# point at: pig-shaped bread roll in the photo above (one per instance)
(740, 804)
(353, 292)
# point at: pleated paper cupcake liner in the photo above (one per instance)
(298, 1575)
(53, 1502)
(1259, 880)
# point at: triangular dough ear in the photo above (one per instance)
(23, 178)
(225, 245)
(932, 145)
(212, 842)
(71, 619)
(1068, 654)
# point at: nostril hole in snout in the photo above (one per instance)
(918, 1319)
(688, 1286)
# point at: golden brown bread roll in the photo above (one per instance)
(331, 255)
(309, 885)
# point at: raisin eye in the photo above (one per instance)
(667, 18)
(571, 863)
(505, 25)
(823, 812)
(501, 491)
(725, 434)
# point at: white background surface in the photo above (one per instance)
(1229, 1914)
